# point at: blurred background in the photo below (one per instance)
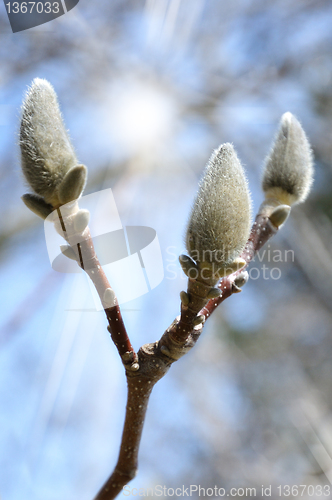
(148, 89)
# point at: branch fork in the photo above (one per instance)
(219, 226)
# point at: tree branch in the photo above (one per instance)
(153, 366)
(81, 244)
(155, 359)
(219, 221)
(262, 230)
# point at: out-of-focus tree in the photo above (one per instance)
(260, 411)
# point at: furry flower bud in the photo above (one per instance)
(46, 152)
(219, 223)
(288, 173)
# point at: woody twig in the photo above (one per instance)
(219, 242)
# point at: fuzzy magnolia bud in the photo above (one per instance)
(46, 152)
(288, 173)
(219, 223)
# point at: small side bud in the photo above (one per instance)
(189, 267)
(198, 320)
(68, 252)
(127, 356)
(184, 298)
(288, 173)
(37, 205)
(214, 293)
(72, 184)
(232, 267)
(109, 298)
(81, 220)
(219, 223)
(241, 279)
(46, 151)
(280, 215)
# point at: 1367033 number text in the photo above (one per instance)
(33, 7)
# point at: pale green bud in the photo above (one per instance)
(241, 279)
(134, 367)
(68, 252)
(219, 223)
(109, 298)
(81, 220)
(185, 299)
(189, 267)
(288, 173)
(279, 215)
(199, 320)
(37, 205)
(72, 184)
(214, 293)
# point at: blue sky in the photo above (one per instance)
(147, 92)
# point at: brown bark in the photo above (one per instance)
(151, 363)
